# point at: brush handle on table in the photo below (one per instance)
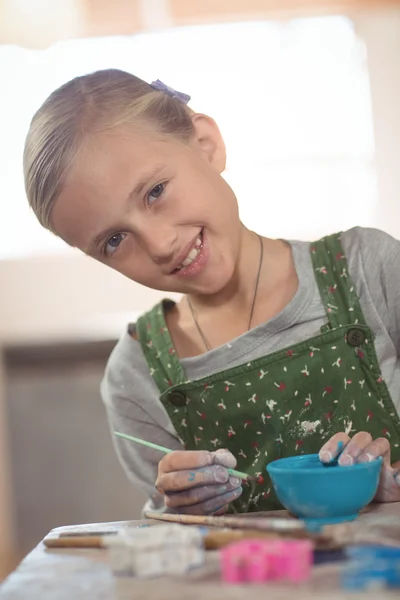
(213, 540)
(78, 541)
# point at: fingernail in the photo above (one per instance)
(346, 460)
(221, 475)
(367, 457)
(325, 456)
(396, 476)
(237, 492)
(234, 481)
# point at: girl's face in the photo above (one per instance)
(154, 208)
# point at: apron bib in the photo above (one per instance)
(288, 402)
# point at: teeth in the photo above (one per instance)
(193, 254)
(190, 257)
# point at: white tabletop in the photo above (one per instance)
(77, 574)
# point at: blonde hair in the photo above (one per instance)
(83, 106)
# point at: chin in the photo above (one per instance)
(208, 286)
(213, 280)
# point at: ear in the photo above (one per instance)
(209, 141)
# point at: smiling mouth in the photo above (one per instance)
(193, 254)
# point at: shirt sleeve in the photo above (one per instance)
(132, 404)
(378, 257)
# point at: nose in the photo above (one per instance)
(159, 242)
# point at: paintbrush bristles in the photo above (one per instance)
(125, 436)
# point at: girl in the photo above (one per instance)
(276, 348)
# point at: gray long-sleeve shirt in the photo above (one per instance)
(131, 397)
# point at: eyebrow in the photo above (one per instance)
(146, 177)
(141, 184)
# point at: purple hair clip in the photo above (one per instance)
(162, 87)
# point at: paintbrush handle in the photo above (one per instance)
(78, 541)
(213, 540)
(244, 476)
(131, 438)
(143, 442)
(279, 525)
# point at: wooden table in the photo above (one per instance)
(85, 574)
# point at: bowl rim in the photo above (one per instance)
(275, 468)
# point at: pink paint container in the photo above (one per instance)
(258, 561)
(295, 560)
(245, 561)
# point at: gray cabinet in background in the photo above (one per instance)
(63, 466)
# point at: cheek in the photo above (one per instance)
(133, 262)
(138, 273)
(134, 266)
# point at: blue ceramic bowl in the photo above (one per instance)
(322, 494)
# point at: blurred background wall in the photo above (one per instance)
(307, 94)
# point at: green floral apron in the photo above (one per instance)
(288, 402)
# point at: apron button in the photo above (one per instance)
(178, 399)
(355, 337)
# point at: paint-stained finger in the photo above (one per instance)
(198, 494)
(225, 458)
(378, 447)
(389, 485)
(396, 472)
(354, 448)
(184, 480)
(212, 506)
(333, 447)
(181, 460)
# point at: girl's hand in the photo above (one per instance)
(197, 482)
(362, 448)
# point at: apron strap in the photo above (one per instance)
(335, 285)
(158, 348)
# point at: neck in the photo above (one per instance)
(202, 322)
(239, 292)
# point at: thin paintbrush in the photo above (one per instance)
(239, 474)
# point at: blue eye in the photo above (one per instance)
(155, 193)
(113, 242)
